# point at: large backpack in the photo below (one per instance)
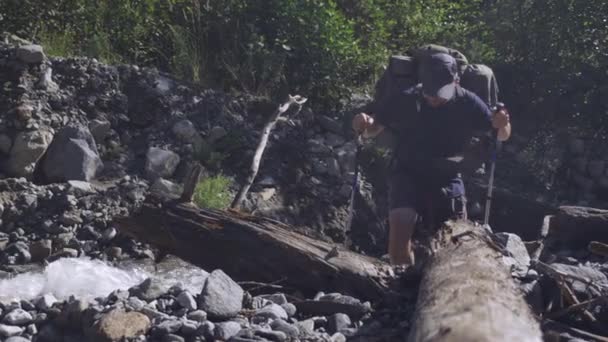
(402, 73)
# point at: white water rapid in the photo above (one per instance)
(87, 279)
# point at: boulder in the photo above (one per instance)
(160, 163)
(118, 325)
(26, 151)
(46, 81)
(30, 54)
(99, 129)
(185, 131)
(72, 156)
(225, 330)
(221, 297)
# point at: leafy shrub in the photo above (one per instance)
(212, 193)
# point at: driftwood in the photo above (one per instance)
(576, 226)
(259, 151)
(467, 294)
(251, 248)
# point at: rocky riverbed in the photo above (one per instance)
(82, 142)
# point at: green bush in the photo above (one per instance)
(212, 193)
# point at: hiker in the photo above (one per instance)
(437, 120)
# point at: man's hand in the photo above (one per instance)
(501, 118)
(502, 122)
(362, 122)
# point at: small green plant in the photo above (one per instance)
(212, 192)
(59, 44)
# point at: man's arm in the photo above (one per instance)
(501, 122)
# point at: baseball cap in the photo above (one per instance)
(438, 73)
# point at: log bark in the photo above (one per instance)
(467, 294)
(577, 226)
(253, 248)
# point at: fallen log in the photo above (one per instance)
(576, 226)
(251, 248)
(467, 294)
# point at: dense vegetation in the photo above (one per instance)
(549, 55)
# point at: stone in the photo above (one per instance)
(189, 327)
(160, 163)
(306, 326)
(169, 327)
(333, 167)
(520, 259)
(10, 330)
(27, 150)
(276, 336)
(46, 82)
(109, 234)
(290, 309)
(20, 250)
(118, 325)
(186, 300)
(173, 338)
(45, 302)
(267, 193)
(99, 129)
(17, 339)
(80, 186)
(30, 54)
(197, 315)
(148, 290)
(216, 133)
(338, 337)
(338, 322)
(72, 155)
(291, 330)
(272, 311)
(225, 330)
(185, 131)
(333, 140)
(207, 330)
(221, 297)
(316, 146)
(166, 188)
(5, 144)
(136, 303)
(17, 317)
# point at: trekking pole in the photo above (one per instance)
(355, 186)
(497, 146)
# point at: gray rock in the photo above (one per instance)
(30, 54)
(333, 167)
(520, 259)
(316, 146)
(198, 316)
(185, 131)
(27, 150)
(108, 234)
(17, 339)
(207, 330)
(338, 322)
(17, 317)
(306, 327)
(46, 81)
(277, 298)
(221, 296)
(333, 140)
(169, 327)
(99, 129)
(45, 302)
(189, 327)
(152, 313)
(5, 144)
(226, 330)
(166, 188)
(216, 134)
(186, 300)
(290, 309)
(160, 163)
(81, 186)
(291, 330)
(277, 336)
(21, 250)
(148, 290)
(10, 330)
(72, 156)
(585, 272)
(338, 337)
(272, 311)
(173, 338)
(136, 303)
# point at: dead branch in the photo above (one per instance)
(257, 157)
(598, 248)
(576, 307)
(191, 182)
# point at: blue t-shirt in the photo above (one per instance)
(425, 133)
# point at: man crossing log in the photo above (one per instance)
(437, 120)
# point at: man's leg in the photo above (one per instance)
(402, 222)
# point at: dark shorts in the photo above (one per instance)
(443, 194)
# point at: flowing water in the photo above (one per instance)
(87, 279)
